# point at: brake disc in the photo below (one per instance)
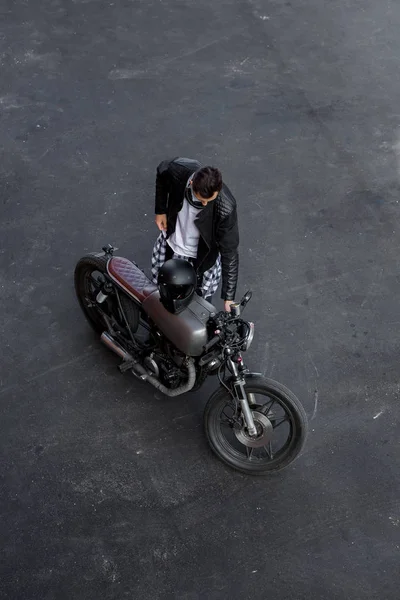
(264, 431)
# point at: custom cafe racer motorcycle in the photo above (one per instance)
(252, 423)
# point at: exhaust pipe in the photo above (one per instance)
(141, 372)
(115, 346)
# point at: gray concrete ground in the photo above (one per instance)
(106, 490)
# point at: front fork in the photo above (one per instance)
(245, 400)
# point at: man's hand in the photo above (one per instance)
(161, 222)
(227, 305)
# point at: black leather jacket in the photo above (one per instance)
(217, 222)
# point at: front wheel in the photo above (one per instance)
(280, 420)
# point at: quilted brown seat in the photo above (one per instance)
(130, 277)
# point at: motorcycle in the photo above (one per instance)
(252, 423)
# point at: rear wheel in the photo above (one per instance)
(89, 278)
(280, 420)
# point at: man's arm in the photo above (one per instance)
(228, 245)
(162, 187)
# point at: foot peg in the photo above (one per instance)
(127, 365)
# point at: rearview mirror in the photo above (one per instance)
(246, 298)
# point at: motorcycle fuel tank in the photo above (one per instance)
(187, 330)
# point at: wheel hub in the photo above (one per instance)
(264, 431)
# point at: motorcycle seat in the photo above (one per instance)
(128, 276)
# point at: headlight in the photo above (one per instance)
(249, 338)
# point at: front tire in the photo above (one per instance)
(281, 423)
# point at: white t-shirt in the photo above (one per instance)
(185, 239)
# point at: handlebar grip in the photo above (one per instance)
(211, 343)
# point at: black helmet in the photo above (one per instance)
(176, 283)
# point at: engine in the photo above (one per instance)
(167, 364)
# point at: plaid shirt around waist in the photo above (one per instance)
(211, 278)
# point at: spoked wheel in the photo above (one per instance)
(280, 421)
(89, 277)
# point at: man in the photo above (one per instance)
(197, 218)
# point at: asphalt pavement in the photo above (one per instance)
(107, 489)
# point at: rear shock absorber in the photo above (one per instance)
(105, 291)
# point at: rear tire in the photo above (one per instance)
(86, 266)
(88, 269)
(229, 440)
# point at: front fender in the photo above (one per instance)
(248, 377)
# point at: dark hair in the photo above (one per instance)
(207, 181)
